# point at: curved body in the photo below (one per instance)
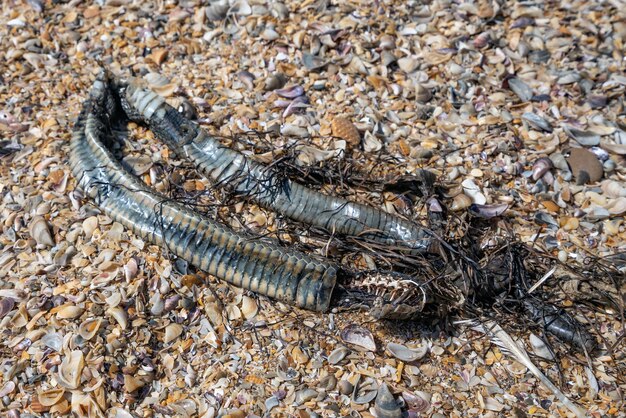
(264, 184)
(259, 266)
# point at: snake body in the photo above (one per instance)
(259, 266)
(263, 184)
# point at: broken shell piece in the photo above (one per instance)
(617, 206)
(422, 94)
(344, 129)
(460, 202)
(217, 10)
(249, 307)
(69, 312)
(71, 369)
(521, 89)
(119, 315)
(541, 167)
(488, 211)
(338, 354)
(89, 328)
(50, 397)
(611, 188)
(172, 331)
(584, 138)
(313, 62)
(365, 390)
(291, 92)
(359, 337)
(7, 388)
(386, 405)
(540, 348)
(130, 269)
(371, 143)
(404, 353)
(473, 191)
(39, 231)
(6, 306)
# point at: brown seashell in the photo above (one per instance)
(89, 328)
(460, 202)
(249, 307)
(120, 316)
(344, 129)
(37, 407)
(158, 55)
(69, 312)
(39, 231)
(71, 369)
(50, 397)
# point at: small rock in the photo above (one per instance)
(584, 165)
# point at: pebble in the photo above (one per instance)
(584, 165)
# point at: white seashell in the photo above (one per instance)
(7, 388)
(338, 354)
(69, 312)
(408, 64)
(53, 340)
(269, 34)
(613, 188)
(114, 300)
(249, 307)
(404, 353)
(89, 328)
(157, 305)
(172, 331)
(359, 337)
(71, 369)
(617, 206)
(130, 269)
(371, 143)
(540, 348)
(89, 226)
(217, 10)
(473, 191)
(39, 231)
(293, 130)
(120, 316)
(460, 202)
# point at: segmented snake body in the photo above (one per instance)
(256, 265)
